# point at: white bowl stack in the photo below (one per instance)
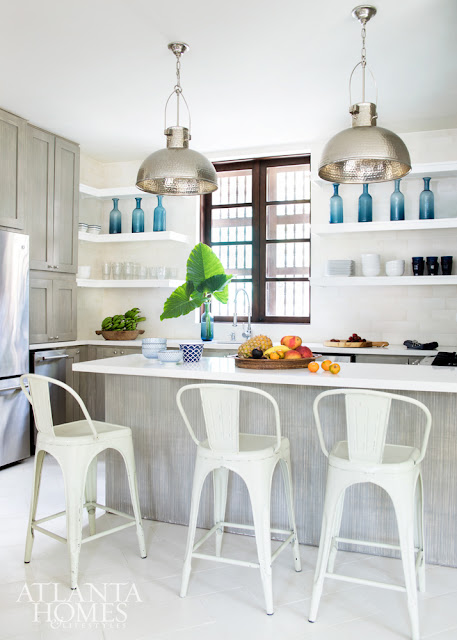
(94, 228)
(83, 227)
(150, 347)
(371, 264)
(395, 268)
(340, 268)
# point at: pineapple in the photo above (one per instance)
(256, 342)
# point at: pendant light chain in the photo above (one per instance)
(177, 87)
(364, 58)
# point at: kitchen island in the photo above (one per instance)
(141, 394)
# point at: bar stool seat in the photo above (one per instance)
(252, 457)
(396, 459)
(76, 445)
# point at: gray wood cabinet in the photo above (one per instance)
(12, 170)
(52, 307)
(52, 201)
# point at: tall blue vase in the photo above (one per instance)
(426, 202)
(365, 206)
(397, 203)
(160, 216)
(138, 217)
(115, 218)
(336, 206)
(207, 323)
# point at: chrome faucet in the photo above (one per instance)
(246, 334)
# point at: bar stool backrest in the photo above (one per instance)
(221, 411)
(367, 420)
(39, 398)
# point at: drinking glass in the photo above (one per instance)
(136, 270)
(161, 273)
(106, 270)
(117, 270)
(143, 272)
(152, 273)
(128, 270)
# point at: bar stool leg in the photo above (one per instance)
(200, 473)
(332, 499)
(259, 487)
(220, 484)
(129, 459)
(288, 488)
(73, 469)
(39, 458)
(336, 531)
(91, 493)
(419, 537)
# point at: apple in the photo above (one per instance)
(292, 355)
(291, 341)
(305, 352)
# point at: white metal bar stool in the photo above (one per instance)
(365, 457)
(75, 446)
(254, 458)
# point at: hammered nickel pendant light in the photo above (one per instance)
(364, 153)
(177, 170)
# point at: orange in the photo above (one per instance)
(274, 356)
(326, 365)
(334, 368)
(313, 367)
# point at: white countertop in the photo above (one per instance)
(316, 347)
(352, 375)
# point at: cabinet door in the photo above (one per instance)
(40, 197)
(66, 203)
(64, 308)
(12, 170)
(40, 309)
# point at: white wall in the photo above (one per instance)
(388, 313)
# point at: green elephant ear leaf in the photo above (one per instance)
(223, 295)
(213, 284)
(180, 303)
(203, 264)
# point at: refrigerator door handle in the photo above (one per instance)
(16, 387)
(47, 358)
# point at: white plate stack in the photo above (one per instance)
(340, 268)
(371, 264)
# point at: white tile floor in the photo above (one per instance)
(224, 602)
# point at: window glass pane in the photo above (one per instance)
(236, 259)
(219, 309)
(288, 260)
(234, 187)
(288, 183)
(288, 221)
(287, 299)
(231, 225)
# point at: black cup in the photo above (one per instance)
(432, 265)
(446, 265)
(418, 266)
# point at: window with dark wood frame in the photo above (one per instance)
(258, 224)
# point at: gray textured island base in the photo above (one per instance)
(165, 457)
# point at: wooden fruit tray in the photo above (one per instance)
(120, 335)
(356, 345)
(263, 363)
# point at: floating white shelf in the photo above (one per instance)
(148, 236)
(388, 225)
(388, 281)
(113, 192)
(432, 169)
(127, 284)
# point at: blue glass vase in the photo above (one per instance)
(207, 323)
(336, 206)
(365, 206)
(115, 218)
(160, 216)
(426, 202)
(138, 217)
(397, 203)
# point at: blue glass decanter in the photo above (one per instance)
(207, 323)
(160, 216)
(138, 217)
(365, 206)
(426, 202)
(115, 218)
(336, 205)
(397, 203)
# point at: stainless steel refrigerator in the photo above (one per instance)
(14, 346)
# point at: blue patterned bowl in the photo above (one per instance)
(192, 352)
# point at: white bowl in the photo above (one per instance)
(371, 272)
(94, 230)
(84, 272)
(170, 357)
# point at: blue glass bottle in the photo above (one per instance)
(115, 218)
(365, 206)
(336, 205)
(207, 323)
(160, 216)
(426, 202)
(138, 217)
(397, 203)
